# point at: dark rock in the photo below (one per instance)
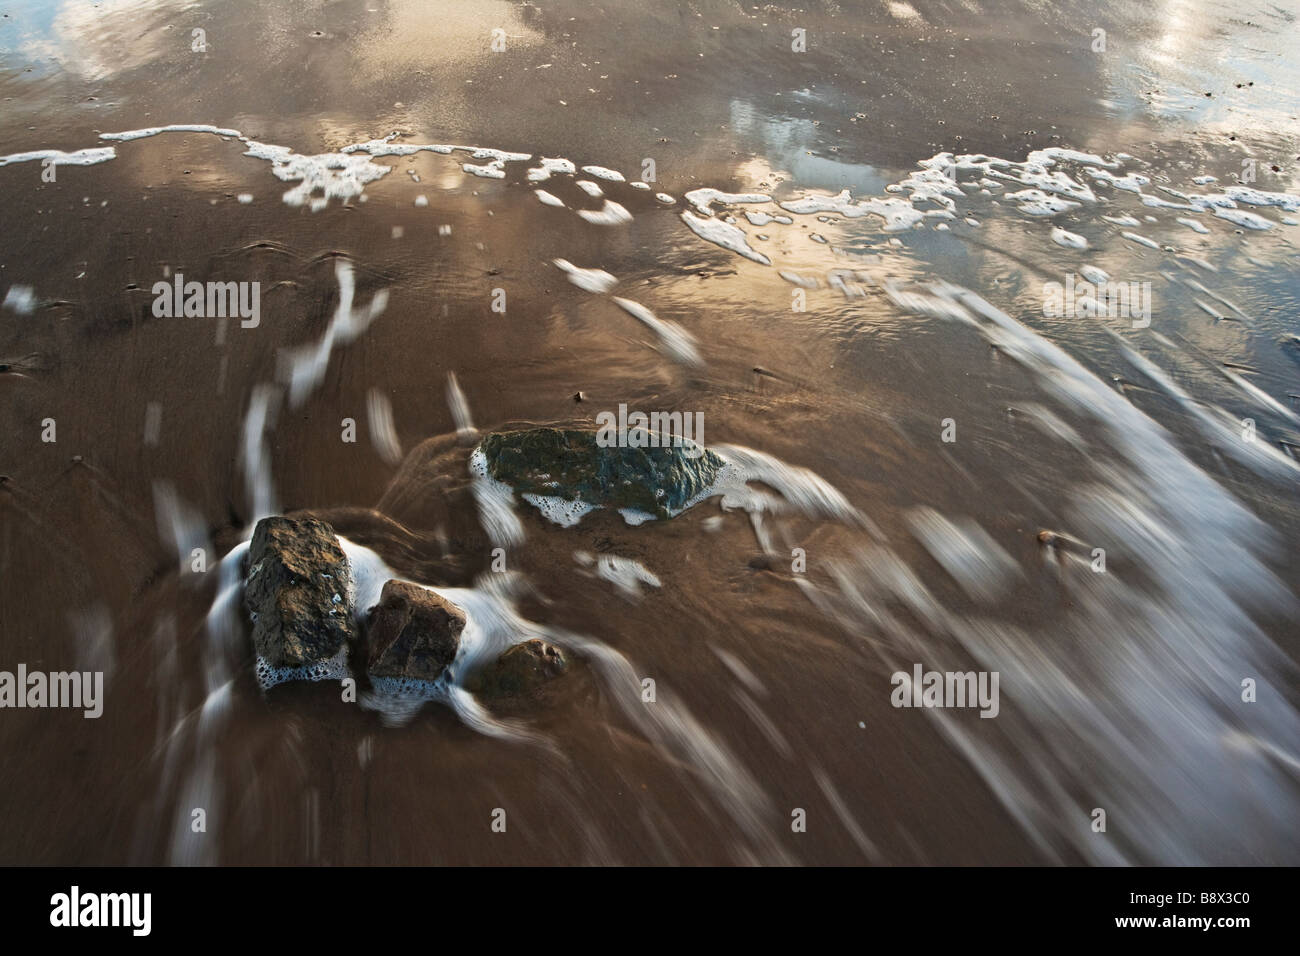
(523, 671)
(568, 463)
(298, 592)
(412, 633)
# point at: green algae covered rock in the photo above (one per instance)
(569, 463)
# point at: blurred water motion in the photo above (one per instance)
(931, 471)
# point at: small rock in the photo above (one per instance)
(522, 671)
(413, 633)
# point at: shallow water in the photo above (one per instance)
(993, 161)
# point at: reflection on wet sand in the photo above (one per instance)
(935, 459)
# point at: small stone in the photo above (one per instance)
(522, 671)
(413, 633)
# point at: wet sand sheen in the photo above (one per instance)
(774, 684)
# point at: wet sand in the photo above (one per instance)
(1119, 690)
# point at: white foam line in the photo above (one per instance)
(492, 170)
(1241, 217)
(307, 365)
(548, 167)
(601, 172)
(134, 134)
(1070, 240)
(610, 214)
(57, 157)
(702, 199)
(1141, 240)
(729, 237)
(591, 280)
(459, 407)
(1261, 396)
(383, 429)
(676, 341)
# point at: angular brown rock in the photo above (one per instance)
(412, 633)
